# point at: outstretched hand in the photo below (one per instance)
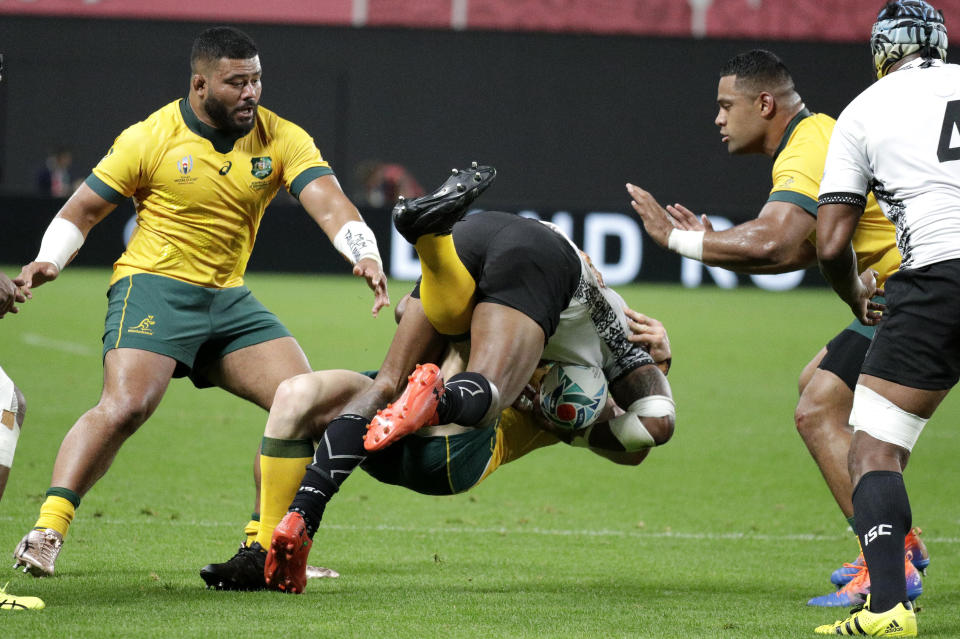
(687, 220)
(34, 274)
(656, 220)
(371, 271)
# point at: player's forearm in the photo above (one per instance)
(747, 250)
(840, 271)
(836, 224)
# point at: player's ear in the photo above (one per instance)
(199, 84)
(768, 105)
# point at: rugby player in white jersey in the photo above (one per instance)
(897, 140)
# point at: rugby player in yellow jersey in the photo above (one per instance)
(760, 111)
(201, 171)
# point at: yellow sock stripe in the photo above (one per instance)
(123, 313)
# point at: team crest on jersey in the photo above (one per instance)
(261, 167)
(185, 165)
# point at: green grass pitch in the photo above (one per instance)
(724, 532)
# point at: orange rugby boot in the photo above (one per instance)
(286, 564)
(416, 407)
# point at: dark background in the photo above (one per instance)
(567, 119)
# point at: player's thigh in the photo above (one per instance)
(254, 372)
(134, 381)
(305, 404)
(506, 345)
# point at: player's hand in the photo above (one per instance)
(656, 220)
(649, 333)
(34, 274)
(10, 296)
(371, 271)
(687, 220)
(866, 310)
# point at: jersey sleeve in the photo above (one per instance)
(119, 174)
(846, 174)
(302, 160)
(797, 171)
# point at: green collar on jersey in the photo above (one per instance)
(802, 115)
(222, 142)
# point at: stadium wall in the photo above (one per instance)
(567, 119)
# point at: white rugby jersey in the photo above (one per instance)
(900, 138)
(593, 329)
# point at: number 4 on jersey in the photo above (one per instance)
(951, 120)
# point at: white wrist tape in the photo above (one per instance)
(60, 241)
(630, 431)
(686, 243)
(356, 241)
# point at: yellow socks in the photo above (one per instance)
(58, 510)
(283, 463)
(251, 529)
(447, 287)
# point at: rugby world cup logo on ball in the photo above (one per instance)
(571, 396)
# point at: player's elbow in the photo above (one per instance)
(829, 249)
(660, 428)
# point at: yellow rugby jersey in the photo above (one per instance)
(199, 193)
(797, 171)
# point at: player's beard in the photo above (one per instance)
(223, 117)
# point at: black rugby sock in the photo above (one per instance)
(466, 399)
(340, 451)
(883, 517)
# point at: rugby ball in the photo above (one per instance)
(572, 396)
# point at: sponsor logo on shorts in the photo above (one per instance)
(143, 328)
(261, 167)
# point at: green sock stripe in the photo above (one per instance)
(850, 521)
(290, 448)
(255, 516)
(65, 493)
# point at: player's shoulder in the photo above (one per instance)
(814, 129)
(274, 125)
(159, 124)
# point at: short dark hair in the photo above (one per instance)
(221, 42)
(760, 69)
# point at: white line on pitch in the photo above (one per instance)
(64, 346)
(544, 532)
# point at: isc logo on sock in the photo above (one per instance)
(876, 531)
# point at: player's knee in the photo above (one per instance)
(124, 415)
(294, 396)
(810, 414)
